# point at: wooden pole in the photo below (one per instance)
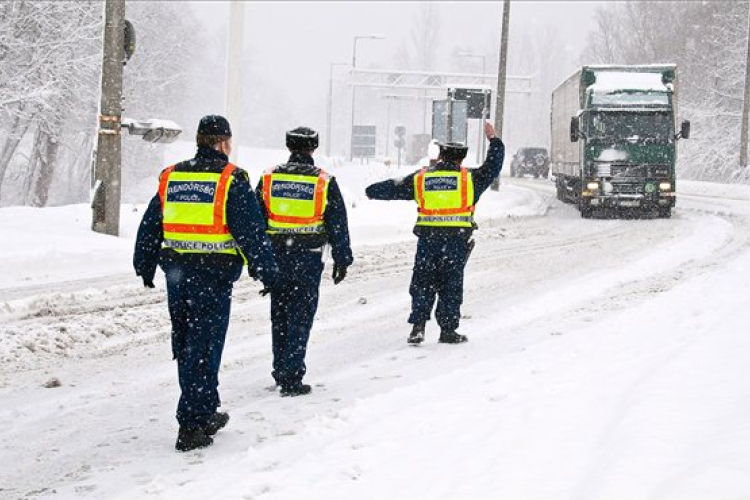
(745, 103)
(501, 72)
(107, 172)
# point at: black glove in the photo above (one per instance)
(270, 288)
(252, 273)
(339, 273)
(148, 283)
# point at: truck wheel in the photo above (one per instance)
(665, 213)
(585, 209)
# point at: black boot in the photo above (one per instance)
(451, 337)
(217, 421)
(190, 438)
(295, 390)
(417, 334)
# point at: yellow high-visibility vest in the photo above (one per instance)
(445, 198)
(194, 211)
(295, 203)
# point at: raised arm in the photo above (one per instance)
(490, 169)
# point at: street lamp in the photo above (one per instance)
(329, 111)
(480, 141)
(354, 88)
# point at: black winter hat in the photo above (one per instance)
(454, 151)
(214, 125)
(302, 139)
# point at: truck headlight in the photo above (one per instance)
(665, 186)
(592, 186)
(608, 188)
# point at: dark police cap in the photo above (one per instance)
(454, 147)
(214, 125)
(302, 139)
(454, 150)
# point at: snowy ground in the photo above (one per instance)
(607, 359)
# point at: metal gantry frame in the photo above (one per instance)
(430, 80)
(429, 85)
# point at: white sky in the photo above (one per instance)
(293, 43)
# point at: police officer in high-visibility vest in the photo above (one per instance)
(304, 212)
(201, 227)
(446, 194)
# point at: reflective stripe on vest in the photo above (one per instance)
(444, 198)
(295, 203)
(194, 211)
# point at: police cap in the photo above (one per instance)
(302, 139)
(214, 125)
(454, 151)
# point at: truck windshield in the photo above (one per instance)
(630, 98)
(532, 152)
(630, 126)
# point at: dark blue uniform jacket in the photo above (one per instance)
(243, 219)
(403, 188)
(334, 218)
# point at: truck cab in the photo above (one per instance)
(625, 128)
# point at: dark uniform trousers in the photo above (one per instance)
(199, 304)
(438, 272)
(293, 305)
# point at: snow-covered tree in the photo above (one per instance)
(421, 50)
(47, 60)
(50, 66)
(707, 40)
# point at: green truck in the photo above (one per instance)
(614, 139)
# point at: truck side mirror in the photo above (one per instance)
(685, 129)
(574, 131)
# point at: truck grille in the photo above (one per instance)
(624, 170)
(627, 170)
(627, 188)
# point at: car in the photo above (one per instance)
(530, 161)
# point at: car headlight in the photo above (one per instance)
(665, 186)
(591, 186)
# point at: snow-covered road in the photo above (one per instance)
(607, 358)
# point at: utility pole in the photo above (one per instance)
(501, 72)
(107, 176)
(233, 104)
(745, 103)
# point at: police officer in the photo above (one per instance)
(446, 194)
(304, 211)
(201, 226)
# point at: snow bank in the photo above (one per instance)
(39, 240)
(50, 244)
